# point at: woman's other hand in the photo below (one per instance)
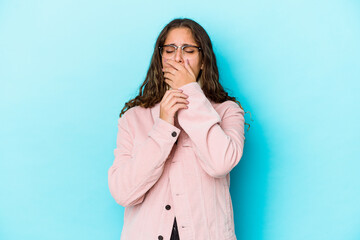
(172, 101)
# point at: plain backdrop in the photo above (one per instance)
(68, 67)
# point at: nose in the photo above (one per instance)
(178, 55)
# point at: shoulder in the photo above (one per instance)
(136, 116)
(134, 112)
(128, 115)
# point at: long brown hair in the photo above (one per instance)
(154, 87)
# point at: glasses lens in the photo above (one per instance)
(190, 52)
(167, 51)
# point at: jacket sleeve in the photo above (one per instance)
(217, 142)
(134, 173)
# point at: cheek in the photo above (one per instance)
(191, 61)
(194, 64)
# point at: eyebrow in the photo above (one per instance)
(182, 45)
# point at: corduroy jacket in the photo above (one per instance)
(161, 171)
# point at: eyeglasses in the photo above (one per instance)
(188, 51)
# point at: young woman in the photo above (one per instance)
(177, 142)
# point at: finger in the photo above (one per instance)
(175, 64)
(169, 76)
(170, 63)
(173, 102)
(169, 80)
(170, 83)
(174, 98)
(171, 67)
(174, 95)
(178, 106)
(173, 110)
(168, 92)
(169, 70)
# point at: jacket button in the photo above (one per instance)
(160, 237)
(173, 134)
(168, 207)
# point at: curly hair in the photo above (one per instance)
(154, 87)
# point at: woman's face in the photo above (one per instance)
(179, 37)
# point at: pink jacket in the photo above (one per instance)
(150, 171)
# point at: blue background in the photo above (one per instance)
(68, 67)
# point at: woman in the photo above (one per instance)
(177, 142)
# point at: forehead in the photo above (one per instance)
(180, 36)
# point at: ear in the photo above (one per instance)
(202, 66)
